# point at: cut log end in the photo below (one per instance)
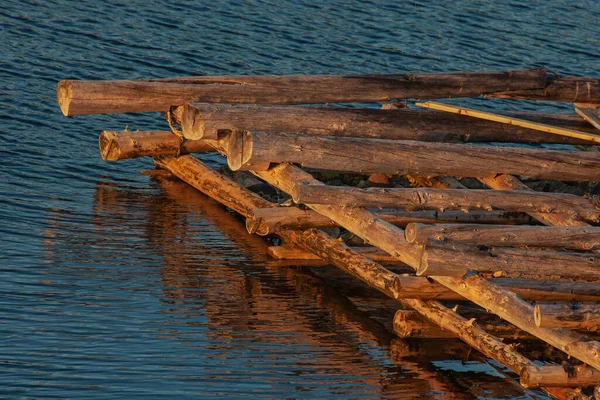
(239, 153)
(64, 95)
(109, 146)
(537, 315)
(410, 232)
(192, 124)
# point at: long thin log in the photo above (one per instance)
(264, 221)
(129, 144)
(209, 120)
(254, 151)
(568, 315)
(450, 259)
(99, 97)
(501, 302)
(293, 253)
(443, 199)
(569, 237)
(512, 121)
(568, 89)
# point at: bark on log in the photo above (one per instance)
(568, 316)
(209, 121)
(412, 199)
(293, 253)
(411, 324)
(116, 146)
(264, 221)
(501, 302)
(559, 375)
(568, 89)
(254, 151)
(591, 115)
(568, 237)
(99, 97)
(450, 259)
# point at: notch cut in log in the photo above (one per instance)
(591, 115)
(590, 137)
(116, 146)
(568, 315)
(568, 89)
(264, 221)
(255, 151)
(450, 259)
(412, 199)
(101, 97)
(568, 237)
(210, 121)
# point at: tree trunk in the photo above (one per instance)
(254, 151)
(568, 315)
(412, 199)
(569, 89)
(569, 237)
(209, 121)
(129, 144)
(449, 259)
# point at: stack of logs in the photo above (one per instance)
(440, 212)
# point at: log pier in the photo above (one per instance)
(528, 258)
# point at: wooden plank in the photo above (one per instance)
(591, 115)
(510, 120)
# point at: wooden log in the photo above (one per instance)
(568, 315)
(100, 97)
(209, 120)
(568, 237)
(486, 294)
(264, 221)
(450, 259)
(512, 121)
(293, 253)
(568, 89)
(560, 375)
(411, 324)
(411, 199)
(255, 151)
(591, 115)
(116, 146)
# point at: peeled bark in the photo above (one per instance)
(255, 151)
(568, 89)
(209, 121)
(568, 315)
(412, 199)
(116, 146)
(568, 237)
(450, 259)
(560, 375)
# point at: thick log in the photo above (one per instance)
(116, 146)
(255, 151)
(568, 315)
(568, 237)
(560, 375)
(450, 259)
(486, 294)
(100, 97)
(443, 199)
(411, 324)
(568, 89)
(206, 120)
(264, 221)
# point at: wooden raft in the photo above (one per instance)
(438, 218)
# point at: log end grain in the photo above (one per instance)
(410, 232)
(109, 146)
(537, 315)
(239, 153)
(64, 95)
(192, 124)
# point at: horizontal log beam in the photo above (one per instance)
(293, 253)
(568, 315)
(264, 221)
(123, 145)
(209, 120)
(568, 89)
(568, 237)
(450, 259)
(255, 151)
(560, 375)
(412, 199)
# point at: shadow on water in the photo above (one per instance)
(289, 326)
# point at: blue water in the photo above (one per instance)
(117, 285)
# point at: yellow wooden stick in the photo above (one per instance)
(591, 115)
(511, 121)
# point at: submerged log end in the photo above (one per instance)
(64, 95)
(240, 153)
(109, 146)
